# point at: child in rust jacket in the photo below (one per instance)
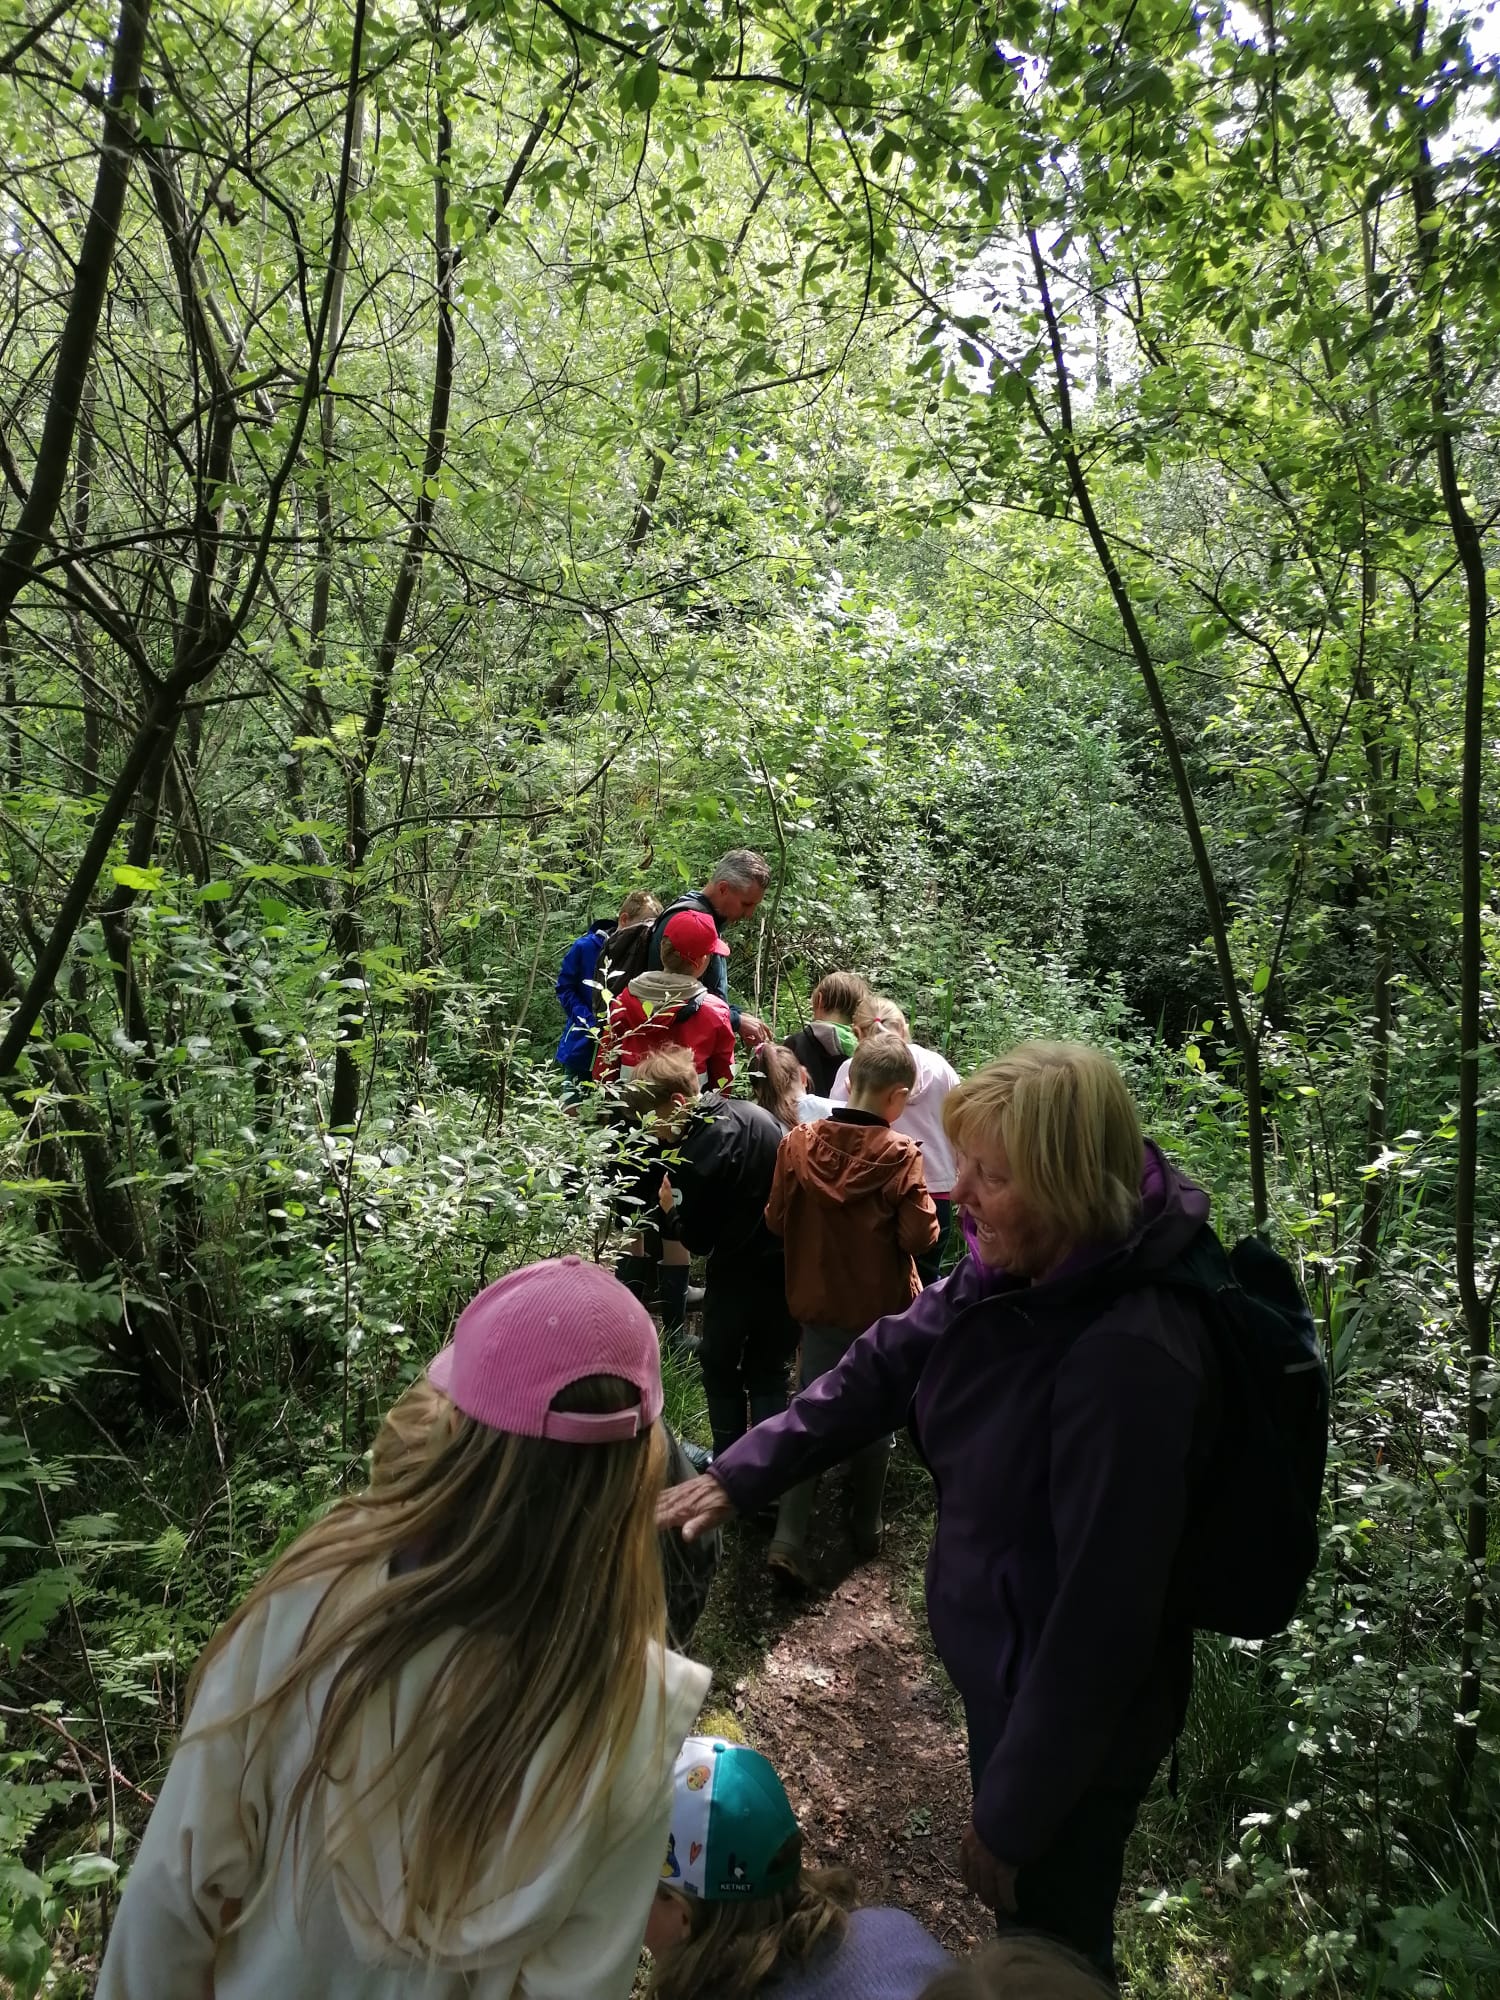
(851, 1204)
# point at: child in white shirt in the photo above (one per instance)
(430, 1755)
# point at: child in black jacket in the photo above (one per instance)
(716, 1159)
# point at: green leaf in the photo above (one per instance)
(647, 84)
(143, 879)
(30, 1607)
(1262, 978)
(1157, 89)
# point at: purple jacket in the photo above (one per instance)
(1064, 1425)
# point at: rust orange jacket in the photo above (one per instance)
(853, 1209)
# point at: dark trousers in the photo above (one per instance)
(749, 1339)
(1069, 1892)
(823, 1347)
(930, 1263)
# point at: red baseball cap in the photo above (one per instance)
(694, 933)
(534, 1333)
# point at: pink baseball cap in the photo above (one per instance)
(532, 1334)
(694, 932)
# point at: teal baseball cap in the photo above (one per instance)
(733, 1835)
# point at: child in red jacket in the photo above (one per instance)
(672, 1008)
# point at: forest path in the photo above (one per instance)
(839, 1693)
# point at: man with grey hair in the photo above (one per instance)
(734, 890)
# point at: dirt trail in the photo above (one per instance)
(844, 1705)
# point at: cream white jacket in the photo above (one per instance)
(559, 1920)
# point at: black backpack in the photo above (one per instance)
(624, 956)
(622, 959)
(1252, 1536)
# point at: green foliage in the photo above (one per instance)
(686, 443)
(35, 1903)
(41, 1307)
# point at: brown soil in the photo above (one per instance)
(844, 1703)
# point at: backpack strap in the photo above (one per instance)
(675, 1012)
(673, 909)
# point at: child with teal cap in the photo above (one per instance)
(736, 1912)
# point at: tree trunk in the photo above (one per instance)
(1244, 1035)
(206, 632)
(314, 707)
(14, 765)
(348, 923)
(81, 328)
(1476, 1306)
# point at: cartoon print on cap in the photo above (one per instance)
(734, 1834)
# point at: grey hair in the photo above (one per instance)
(742, 868)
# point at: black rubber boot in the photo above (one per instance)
(672, 1279)
(726, 1419)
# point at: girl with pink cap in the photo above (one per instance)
(431, 1753)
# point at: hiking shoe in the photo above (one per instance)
(694, 1297)
(788, 1567)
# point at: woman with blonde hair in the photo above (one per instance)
(737, 1914)
(430, 1754)
(1062, 1391)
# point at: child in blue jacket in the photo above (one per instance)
(577, 988)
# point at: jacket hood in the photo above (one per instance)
(840, 1042)
(1173, 1210)
(849, 1162)
(656, 990)
(514, 1906)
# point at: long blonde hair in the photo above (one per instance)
(409, 1432)
(537, 1561)
(734, 1948)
